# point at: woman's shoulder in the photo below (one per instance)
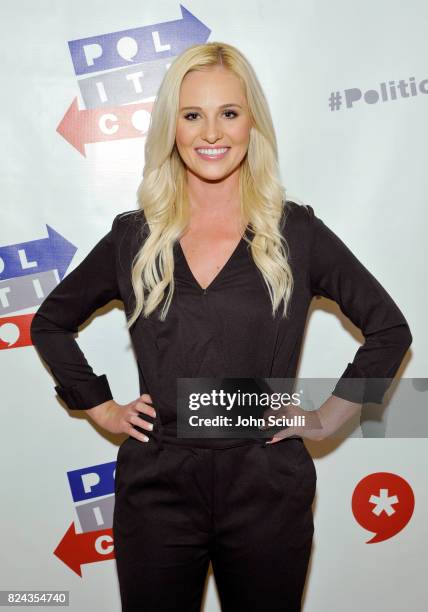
(128, 231)
(128, 218)
(303, 213)
(297, 217)
(129, 223)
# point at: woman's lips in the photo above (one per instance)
(212, 156)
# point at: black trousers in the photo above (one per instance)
(246, 508)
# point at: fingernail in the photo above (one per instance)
(150, 427)
(146, 439)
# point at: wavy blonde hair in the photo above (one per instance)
(162, 193)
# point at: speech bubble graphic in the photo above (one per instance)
(127, 48)
(383, 503)
(9, 333)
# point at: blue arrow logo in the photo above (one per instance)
(137, 45)
(53, 252)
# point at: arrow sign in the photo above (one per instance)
(76, 549)
(53, 252)
(147, 43)
(80, 127)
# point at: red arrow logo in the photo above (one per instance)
(75, 549)
(80, 127)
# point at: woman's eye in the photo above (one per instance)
(189, 115)
(233, 113)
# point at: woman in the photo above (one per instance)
(216, 271)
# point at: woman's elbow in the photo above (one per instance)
(404, 336)
(35, 328)
(39, 326)
(408, 336)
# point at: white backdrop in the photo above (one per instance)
(361, 167)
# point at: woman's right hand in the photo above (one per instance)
(117, 418)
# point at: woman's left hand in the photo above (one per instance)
(315, 424)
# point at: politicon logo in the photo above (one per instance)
(29, 271)
(92, 490)
(118, 75)
(387, 91)
(383, 503)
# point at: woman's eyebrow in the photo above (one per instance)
(200, 108)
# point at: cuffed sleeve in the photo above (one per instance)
(337, 274)
(92, 284)
(88, 394)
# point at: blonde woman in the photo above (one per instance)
(216, 270)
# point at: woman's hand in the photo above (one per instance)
(117, 418)
(318, 424)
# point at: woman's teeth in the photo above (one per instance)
(212, 152)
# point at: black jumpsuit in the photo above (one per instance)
(181, 503)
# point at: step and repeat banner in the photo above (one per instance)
(347, 86)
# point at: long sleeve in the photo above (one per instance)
(337, 274)
(92, 284)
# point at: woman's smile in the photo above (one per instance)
(212, 153)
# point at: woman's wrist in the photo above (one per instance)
(334, 413)
(102, 413)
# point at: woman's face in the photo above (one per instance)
(213, 125)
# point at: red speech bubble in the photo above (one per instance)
(383, 503)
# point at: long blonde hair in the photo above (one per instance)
(162, 194)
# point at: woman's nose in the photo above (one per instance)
(212, 132)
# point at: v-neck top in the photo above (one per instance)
(229, 261)
(226, 330)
